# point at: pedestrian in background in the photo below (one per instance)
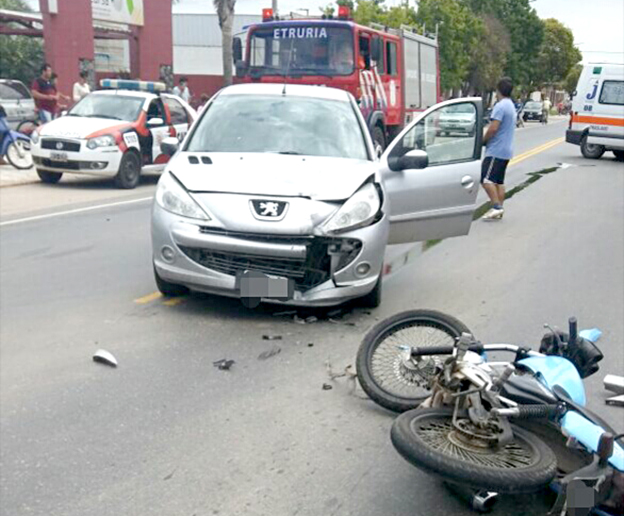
(202, 102)
(546, 110)
(182, 90)
(44, 93)
(498, 141)
(62, 100)
(81, 87)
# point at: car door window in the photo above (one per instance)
(448, 135)
(156, 110)
(177, 112)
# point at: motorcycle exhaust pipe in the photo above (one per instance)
(479, 500)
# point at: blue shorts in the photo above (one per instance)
(493, 170)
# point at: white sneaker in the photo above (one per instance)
(494, 214)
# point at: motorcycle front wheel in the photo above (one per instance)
(427, 439)
(388, 379)
(18, 154)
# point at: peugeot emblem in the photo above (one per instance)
(59, 145)
(266, 209)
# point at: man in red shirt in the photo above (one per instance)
(45, 95)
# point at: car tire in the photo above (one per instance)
(619, 155)
(379, 139)
(50, 178)
(129, 173)
(169, 289)
(591, 151)
(373, 298)
(27, 127)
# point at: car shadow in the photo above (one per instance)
(98, 183)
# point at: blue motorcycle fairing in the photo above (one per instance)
(588, 434)
(552, 370)
(8, 138)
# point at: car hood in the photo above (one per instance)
(318, 178)
(79, 127)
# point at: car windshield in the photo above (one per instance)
(301, 50)
(281, 124)
(533, 105)
(118, 107)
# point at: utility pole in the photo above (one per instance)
(275, 13)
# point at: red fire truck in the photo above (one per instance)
(391, 72)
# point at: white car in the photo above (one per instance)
(112, 133)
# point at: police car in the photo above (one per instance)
(115, 132)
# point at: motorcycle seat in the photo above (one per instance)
(524, 389)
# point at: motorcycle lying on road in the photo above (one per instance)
(494, 427)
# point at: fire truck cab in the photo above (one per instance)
(391, 72)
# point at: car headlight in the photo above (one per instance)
(359, 210)
(108, 140)
(34, 136)
(171, 196)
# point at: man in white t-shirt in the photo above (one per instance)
(81, 88)
(182, 90)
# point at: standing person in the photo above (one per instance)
(44, 93)
(59, 97)
(182, 90)
(546, 110)
(498, 141)
(81, 87)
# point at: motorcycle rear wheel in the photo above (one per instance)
(427, 439)
(380, 368)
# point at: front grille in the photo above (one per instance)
(306, 272)
(54, 144)
(66, 165)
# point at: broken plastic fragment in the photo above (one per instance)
(327, 387)
(105, 357)
(299, 320)
(224, 364)
(271, 337)
(311, 319)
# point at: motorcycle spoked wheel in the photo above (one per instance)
(427, 439)
(381, 370)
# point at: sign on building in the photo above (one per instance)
(118, 11)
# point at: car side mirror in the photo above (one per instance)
(376, 49)
(414, 159)
(241, 68)
(64, 112)
(155, 121)
(169, 146)
(237, 49)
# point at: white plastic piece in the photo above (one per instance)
(105, 357)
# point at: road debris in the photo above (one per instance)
(275, 350)
(287, 312)
(310, 344)
(327, 387)
(271, 337)
(335, 313)
(299, 320)
(311, 319)
(105, 357)
(224, 364)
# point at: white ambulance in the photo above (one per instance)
(597, 117)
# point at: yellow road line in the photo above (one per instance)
(536, 150)
(149, 298)
(173, 301)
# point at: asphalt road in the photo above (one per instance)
(166, 433)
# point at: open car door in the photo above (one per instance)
(431, 172)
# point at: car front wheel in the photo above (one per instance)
(169, 289)
(129, 171)
(49, 177)
(373, 298)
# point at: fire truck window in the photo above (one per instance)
(365, 51)
(391, 58)
(380, 63)
(448, 135)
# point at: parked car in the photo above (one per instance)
(597, 117)
(112, 133)
(533, 110)
(17, 102)
(458, 119)
(277, 195)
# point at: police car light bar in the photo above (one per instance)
(123, 84)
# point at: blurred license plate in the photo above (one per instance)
(254, 284)
(58, 156)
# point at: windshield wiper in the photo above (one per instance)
(108, 116)
(290, 153)
(72, 114)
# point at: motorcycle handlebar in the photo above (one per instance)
(421, 351)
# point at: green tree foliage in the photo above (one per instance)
(20, 56)
(459, 33)
(558, 55)
(572, 78)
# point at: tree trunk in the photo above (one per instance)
(226, 41)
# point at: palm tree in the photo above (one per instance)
(225, 12)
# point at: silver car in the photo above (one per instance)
(17, 101)
(276, 195)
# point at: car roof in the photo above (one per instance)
(299, 90)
